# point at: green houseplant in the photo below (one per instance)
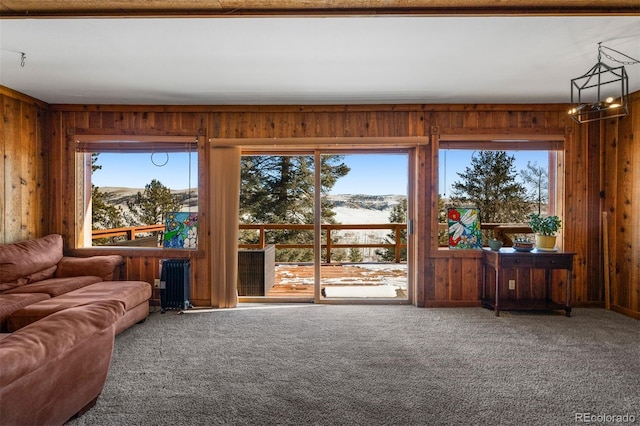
(545, 228)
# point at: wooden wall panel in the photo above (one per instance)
(593, 290)
(624, 222)
(454, 280)
(3, 155)
(632, 136)
(141, 264)
(592, 184)
(471, 279)
(13, 172)
(442, 280)
(23, 185)
(423, 222)
(621, 177)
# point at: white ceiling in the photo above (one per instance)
(314, 60)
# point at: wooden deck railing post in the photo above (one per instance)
(328, 245)
(261, 237)
(397, 248)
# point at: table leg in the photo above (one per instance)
(497, 306)
(547, 283)
(567, 303)
(484, 281)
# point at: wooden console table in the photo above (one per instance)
(510, 265)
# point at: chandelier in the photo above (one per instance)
(602, 92)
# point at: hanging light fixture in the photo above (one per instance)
(602, 92)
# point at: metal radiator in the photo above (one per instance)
(175, 280)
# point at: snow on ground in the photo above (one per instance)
(360, 215)
(361, 291)
(353, 274)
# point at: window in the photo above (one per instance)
(506, 180)
(141, 192)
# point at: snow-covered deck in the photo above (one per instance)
(361, 280)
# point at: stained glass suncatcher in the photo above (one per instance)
(464, 228)
(181, 230)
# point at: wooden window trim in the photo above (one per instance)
(87, 142)
(554, 143)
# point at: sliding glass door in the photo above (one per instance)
(329, 234)
(364, 227)
(276, 254)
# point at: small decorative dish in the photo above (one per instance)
(523, 246)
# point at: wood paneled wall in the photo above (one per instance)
(619, 196)
(454, 278)
(601, 171)
(24, 185)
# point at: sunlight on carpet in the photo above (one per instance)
(248, 306)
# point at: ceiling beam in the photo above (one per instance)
(198, 8)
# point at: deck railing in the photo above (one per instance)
(501, 231)
(328, 244)
(130, 232)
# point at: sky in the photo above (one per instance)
(137, 170)
(453, 161)
(372, 174)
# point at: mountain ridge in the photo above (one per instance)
(349, 208)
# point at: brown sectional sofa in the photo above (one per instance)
(56, 368)
(58, 319)
(36, 280)
(130, 293)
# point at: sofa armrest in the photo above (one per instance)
(55, 367)
(105, 267)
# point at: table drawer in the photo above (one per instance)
(557, 261)
(510, 261)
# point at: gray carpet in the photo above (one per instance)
(372, 365)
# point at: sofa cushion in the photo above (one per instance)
(55, 286)
(29, 261)
(9, 303)
(101, 266)
(129, 293)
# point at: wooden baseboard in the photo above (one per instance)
(598, 304)
(626, 311)
(452, 303)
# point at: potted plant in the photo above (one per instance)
(545, 228)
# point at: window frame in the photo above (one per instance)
(553, 142)
(86, 144)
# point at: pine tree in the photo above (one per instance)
(489, 183)
(280, 189)
(398, 215)
(103, 214)
(355, 255)
(537, 177)
(151, 206)
(443, 237)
